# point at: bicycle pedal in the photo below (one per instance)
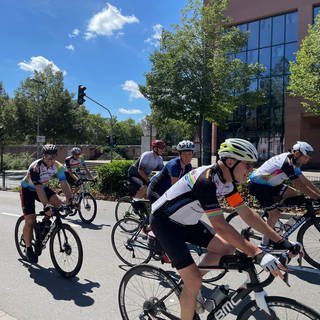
(73, 213)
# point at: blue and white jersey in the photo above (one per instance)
(276, 170)
(162, 180)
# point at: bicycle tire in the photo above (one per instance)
(309, 237)
(124, 209)
(85, 215)
(137, 295)
(282, 309)
(63, 260)
(18, 238)
(129, 242)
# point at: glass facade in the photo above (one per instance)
(272, 42)
(316, 11)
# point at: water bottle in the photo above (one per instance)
(290, 223)
(218, 295)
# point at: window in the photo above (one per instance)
(291, 27)
(316, 11)
(278, 30)
(253, 40)
(265, 32)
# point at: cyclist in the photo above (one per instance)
(172, 171)
(267, 181)
(140, 171)
(74, 165)
(34, 187)
(176, 216)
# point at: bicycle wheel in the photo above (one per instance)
(197, 254)
(66, 251)
(309, 236)
(87, 207)
(18, 238)
(281, 309)
(124, 208)
(129, 242)
(247, 232)
(147, 292)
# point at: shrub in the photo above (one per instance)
(113, 176)
(17, 161)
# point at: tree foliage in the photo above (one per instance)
(193, 75)
(305, 72)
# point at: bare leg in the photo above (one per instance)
(28, 228)
(191, 285)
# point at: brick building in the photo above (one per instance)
(277, 28)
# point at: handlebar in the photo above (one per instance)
(57, 210)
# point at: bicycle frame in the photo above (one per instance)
(309, 215)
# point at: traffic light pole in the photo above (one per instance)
(111, 119)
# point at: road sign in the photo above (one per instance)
(41, 139)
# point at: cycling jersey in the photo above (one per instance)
(74, 164)
(196, 193)
(276, 170)
(39, 173)
(162, 180)
(148, 162)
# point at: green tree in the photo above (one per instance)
(194, 75)
(305, 72)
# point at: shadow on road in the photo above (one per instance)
(90, 226)
(307, 274)
(61, 288)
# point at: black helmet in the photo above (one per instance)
(49, 149)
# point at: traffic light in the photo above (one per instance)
(81, 94)
(1, 134)
(113, 141)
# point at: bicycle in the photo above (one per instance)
(128, 207)
(84, 202)
(64, 243)
(133, 245)
(308, 234)
(150, 293)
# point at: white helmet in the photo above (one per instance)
(75, 150)
(185, 145)
(239, 149)
(304, 147)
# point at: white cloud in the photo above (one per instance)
(105, 22)
(129, 111)
(74, 33)
(133, 88)
(38, 64)
(154, 40)
(70, 47)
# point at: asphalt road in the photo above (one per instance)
(39, 292)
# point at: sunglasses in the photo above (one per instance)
(77, 154)
(49, 158)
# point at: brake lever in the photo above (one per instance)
(286, 279)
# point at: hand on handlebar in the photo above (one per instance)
(294, 248)
(270, 264)
(48, 210)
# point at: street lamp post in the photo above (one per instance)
(111, 119)
(39, 82)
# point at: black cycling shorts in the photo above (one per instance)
(266, 194)
(28, 198)
(173, 237)
(69, 178)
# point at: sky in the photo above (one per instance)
(103, 45)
